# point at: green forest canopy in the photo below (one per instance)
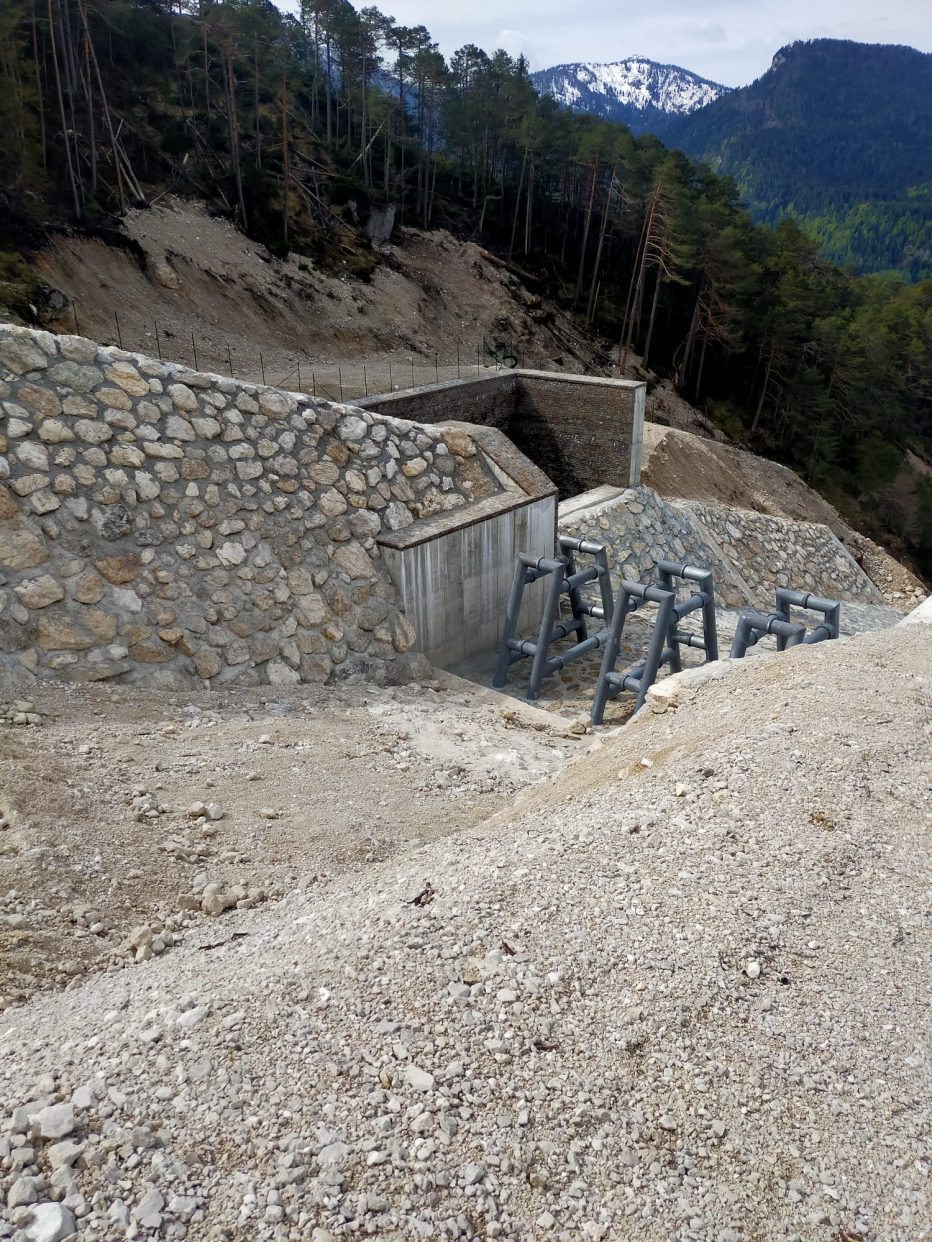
(280, 121)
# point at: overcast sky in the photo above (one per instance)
(729, 41)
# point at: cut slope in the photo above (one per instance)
(681, 992)
(194, 274)
(683, 466)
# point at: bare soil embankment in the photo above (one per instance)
(430, 294)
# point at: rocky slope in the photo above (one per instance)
(680, 992)
(192, 282)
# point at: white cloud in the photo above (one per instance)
(731, 41)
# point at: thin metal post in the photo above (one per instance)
(655, 652)
(412, 373)
(158, 342)
(314, 382)
(603, 689)
(538, 668)
(229, 360)
(194, 347)
(436, 369)
(391, 381)
(262, 365)
(519, 582)
(365, 379)
(300, 389)
(116, 319)
(459, 374)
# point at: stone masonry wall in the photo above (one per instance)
(749, 553)
(580, 430)
(773, 551)
(641, 528)
(158, 525)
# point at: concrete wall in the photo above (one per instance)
(166, 527)
(456, 582)
(454, 571)
(581, 431)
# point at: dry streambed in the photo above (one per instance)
(127, 819)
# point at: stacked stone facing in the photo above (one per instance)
(749, 553)
(164, 526)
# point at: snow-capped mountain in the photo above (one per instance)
(639, 92)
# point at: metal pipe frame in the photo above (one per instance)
(631, 595)
(753, 626)
(666, 637)
(563, 578)
(829, 608)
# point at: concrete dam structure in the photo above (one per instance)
(164, 526)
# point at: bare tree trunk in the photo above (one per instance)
(637, 277)
(705, 343)
(763, 391)
(89, 96)
(585, 238)
(206, 77)
(61, 109)
(653, 314)
(39, 92)
(329, 92)
(108, 121)
(590, 309)
(233, 127)
(683, 368)
(286, 154)
(514, 223)
(255, 61)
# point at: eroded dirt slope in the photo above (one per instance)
(680, 464)
(430, 294)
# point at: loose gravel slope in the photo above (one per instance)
(679, 991)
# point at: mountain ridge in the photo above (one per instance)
(641, 93)
(837, 134)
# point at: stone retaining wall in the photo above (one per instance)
(774, 551)
(580, 430)
(159, 525)
(641, 528)
(749, 553)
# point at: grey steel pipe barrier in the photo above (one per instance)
(753, 626)
(564, 578)
(666, 636)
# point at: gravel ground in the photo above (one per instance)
(679, 990)
(128, 818)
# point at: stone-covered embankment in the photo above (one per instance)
(160, 525)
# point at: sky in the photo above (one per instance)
(729, 41)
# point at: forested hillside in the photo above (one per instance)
(838, 134)
(297, 127)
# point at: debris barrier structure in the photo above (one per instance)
(753, 626)
(564, 578)
(666, 636)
